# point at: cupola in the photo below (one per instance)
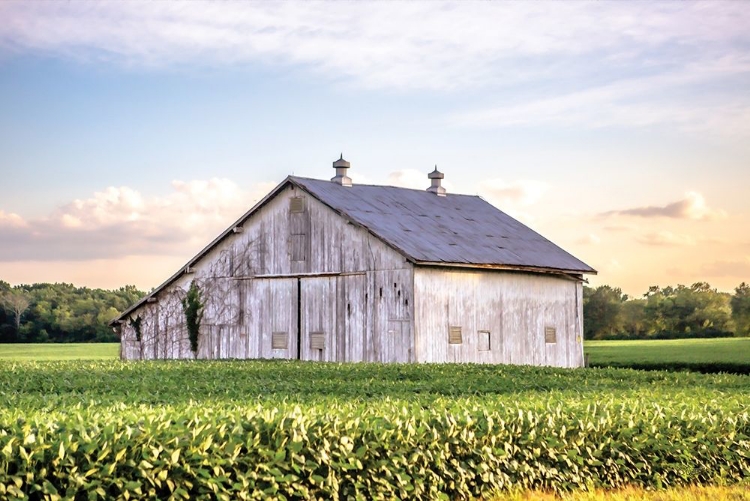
(341, 167)
(436, 178)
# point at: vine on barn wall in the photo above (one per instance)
(192, 305)
(135, 323)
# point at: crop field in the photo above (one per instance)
(703, 355)
(60, 351)
(295, 430)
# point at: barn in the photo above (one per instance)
(337, 271)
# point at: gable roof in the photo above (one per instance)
(454, 229)
(460, 230)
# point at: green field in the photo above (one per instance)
(298, 430)
(60, 351)
(295, 430)
(721, 350)
(722, 354)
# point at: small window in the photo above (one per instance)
(454, 335)
(279, 341)
(297, 204)
(299, 247)
(484, 341)
(317, 340)
(550, 335)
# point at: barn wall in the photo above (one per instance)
(511, 309)
(350, 287)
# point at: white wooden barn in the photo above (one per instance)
(336, 271)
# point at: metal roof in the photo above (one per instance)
(454, 229)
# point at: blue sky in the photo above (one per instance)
(132, 133)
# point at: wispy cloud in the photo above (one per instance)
(619, 228)
(519, 193)
(590, 239)
(513, 197)
(693, 206)
(637, 100)
(576, 64)
(415, 45)
(119, 221)
(730, 268)
(666, 238)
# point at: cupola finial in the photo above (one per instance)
(341, 167)
(436, 178)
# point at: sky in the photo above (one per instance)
(132, 134)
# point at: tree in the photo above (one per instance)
(695, 311)
(64, 313)
(17, 302)
(634, 321)
(602, 308)
(741, 309)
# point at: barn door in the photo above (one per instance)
(351, 306)
(317, 336)
(269, 320)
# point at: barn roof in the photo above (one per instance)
(452, 229)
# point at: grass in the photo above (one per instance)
(58, 351)
(719, 350)
(730, 355)
(722, 354)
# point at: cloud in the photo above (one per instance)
(414, 45)
(539, 55)
(120, 221)
(612, 266)
(408, 178)
(520, 193)
(11, 220)
(731, 268)
(666, 238)
(693, 206)
(634, 100)
(619, 228)
(414, 179)
(513, 197)
(589, 239)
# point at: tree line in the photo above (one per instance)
(42, 313)
(665, 313)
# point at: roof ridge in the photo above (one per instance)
(354, 185)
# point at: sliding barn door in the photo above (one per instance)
(270, 318)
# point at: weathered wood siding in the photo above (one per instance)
(511, 309)
(295, 267)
